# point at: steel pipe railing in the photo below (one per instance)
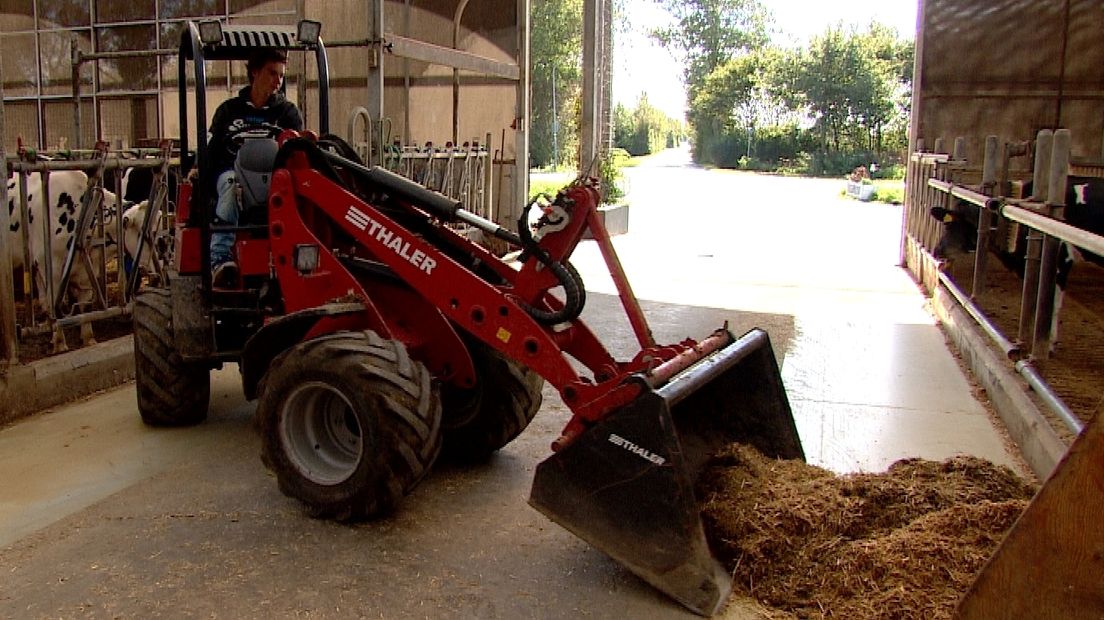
(962, 192)
(1028, 371)
(111, 163)
(1050, 226)
(1011, 350)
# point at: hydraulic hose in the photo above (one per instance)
(568, 277)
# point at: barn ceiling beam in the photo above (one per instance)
(405, 47)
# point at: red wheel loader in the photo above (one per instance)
(374, 336)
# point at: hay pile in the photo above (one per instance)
(906, 543)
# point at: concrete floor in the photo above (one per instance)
(100, 516)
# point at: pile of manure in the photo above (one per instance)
(906, 543)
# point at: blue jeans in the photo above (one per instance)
(227, 211)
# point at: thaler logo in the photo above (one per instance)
(621, 442)
(388, 238)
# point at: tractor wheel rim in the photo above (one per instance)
(320, 433)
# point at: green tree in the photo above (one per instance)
(556, 80)
(819, 79)
(894, 57)
(645, 129)
(735, 104)
(714, 109)
(623, 126)
(707, 33)
(851, 83)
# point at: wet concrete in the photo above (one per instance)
(100, 516)
(60, 462)
(26, 389)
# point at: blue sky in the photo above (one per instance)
(642, 66)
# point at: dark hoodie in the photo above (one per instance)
(240, 112)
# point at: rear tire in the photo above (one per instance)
(171, 392)
(349, 424)
(509, 396)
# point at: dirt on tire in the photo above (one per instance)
(509, 398)
(171, 391)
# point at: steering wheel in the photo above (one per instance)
(237, 136)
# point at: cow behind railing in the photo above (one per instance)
(945, 217)
(51, 239)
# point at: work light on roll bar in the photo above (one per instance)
(210, 32)
(308, 31)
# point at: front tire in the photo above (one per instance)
(349, 424)
(171, 392)
(507, 399)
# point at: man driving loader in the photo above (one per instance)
(259, 104)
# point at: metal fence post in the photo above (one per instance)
(1044, 144)
(988, 182)
(1048, 266)
(1040, 180)
(911, 198)
(959, 149)
(9, 348)
(940, 172)
(923, 201)
(931, 227)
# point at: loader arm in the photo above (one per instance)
(494, 313)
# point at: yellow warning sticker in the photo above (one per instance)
(503, 335)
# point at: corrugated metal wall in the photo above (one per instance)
(1010, 68)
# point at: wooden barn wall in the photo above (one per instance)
(1009, 68)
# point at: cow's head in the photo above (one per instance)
(959, 236)
(133, 220)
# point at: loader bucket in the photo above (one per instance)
(626, 485)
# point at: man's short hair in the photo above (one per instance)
(263, 56)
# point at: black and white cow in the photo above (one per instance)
(67, 190)
(1084, 209)
(138, 189)
(138, 185)
(133, 218)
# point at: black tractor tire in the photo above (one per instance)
(349, 424)
(171, 392)
(508, 398)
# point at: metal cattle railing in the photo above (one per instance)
(461, 172)
(932, 182)
(96, 225)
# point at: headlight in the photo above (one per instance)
(306, 258)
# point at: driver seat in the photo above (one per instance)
(253, 170)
